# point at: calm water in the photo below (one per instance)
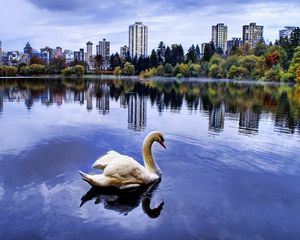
(231, 169)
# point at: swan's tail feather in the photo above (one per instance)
(86, 177)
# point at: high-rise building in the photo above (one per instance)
(138, 39)
(286, 32)
(252, 34)
(233, 42)
(123, 51)
(69, 56)
(58, 52)
(219, 36)
(79, 56)
(0, 53)
(89, 51)
(28, 49)
(103, 49)
(47, 54)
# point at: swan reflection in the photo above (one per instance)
(124, 201)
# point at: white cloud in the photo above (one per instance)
(166, 21)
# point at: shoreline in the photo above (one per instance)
(137, 78)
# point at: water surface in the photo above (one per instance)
(231, 169)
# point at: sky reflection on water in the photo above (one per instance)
(231, 169)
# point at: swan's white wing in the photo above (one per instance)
(126, 171)
(103, 161)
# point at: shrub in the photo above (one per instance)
(118, 71)
(168, 69)
(184, 69)
(214, 71)
(79, 70)
(179, 75)
(274, 74)
(128, 69)
(195, 69)
(237, 72)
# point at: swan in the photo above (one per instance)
(124, 172)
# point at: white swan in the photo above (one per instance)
(122, 171)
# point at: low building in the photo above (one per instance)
(286, 32)
(124, 51)
(234, 42)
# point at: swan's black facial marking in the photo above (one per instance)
(162, 138)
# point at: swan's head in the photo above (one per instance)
(157, 137)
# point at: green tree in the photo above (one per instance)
(118, 71)
(198, 54)
(209, 50)
(191, 55)
(260, 49)
(237, 72)
(295, 65)
(129, 69)
(274, 73)
(153, 59)
(177, 54)
(168, 57)
(79, 70)
(214, 71)
(249, 62)
(168, 69)
(184, 69)
(160, 70)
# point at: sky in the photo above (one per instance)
(71, 23)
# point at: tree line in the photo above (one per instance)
(273, 62)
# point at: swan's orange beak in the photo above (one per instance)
(162, 143)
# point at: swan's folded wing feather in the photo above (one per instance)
(126, 170)
(103, 161)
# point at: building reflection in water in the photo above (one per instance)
(217, 117)
(69, 96)
(123, 101)
(47, 97)
(249, 121)
(89, 97)
(28, 99)
(279, 102)
(137, 112)
(102, 98)
(79, 96)
(1, 99)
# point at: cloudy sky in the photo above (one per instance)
(71, 23)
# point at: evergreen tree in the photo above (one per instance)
(168, 57)
(115, 61)
(140, 64)
(260, 49)
(198, 54)
(209, 50)
(161, 50)
(191, 55)
(153, 59)
(177, 54)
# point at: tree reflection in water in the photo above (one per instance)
(124, 201)
(248, 103)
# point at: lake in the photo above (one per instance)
(231, 169)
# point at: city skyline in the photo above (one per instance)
(44, 23)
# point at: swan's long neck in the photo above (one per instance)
(149, 161)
